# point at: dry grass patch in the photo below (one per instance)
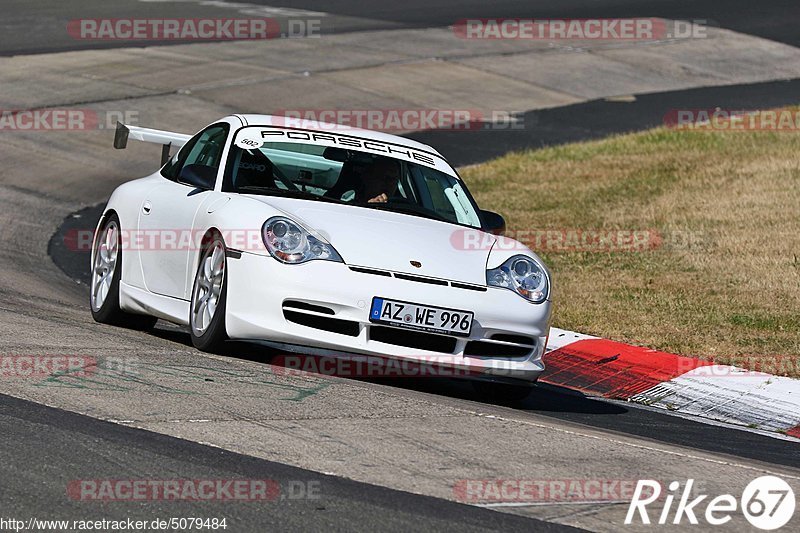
(723, 283)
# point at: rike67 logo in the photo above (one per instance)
(767, 502)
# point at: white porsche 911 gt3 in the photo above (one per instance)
(320, 239)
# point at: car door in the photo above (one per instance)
(168, 213)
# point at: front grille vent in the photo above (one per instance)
(418, 279)
(412, 339)
(301, 313)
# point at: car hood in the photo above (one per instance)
(391, 241)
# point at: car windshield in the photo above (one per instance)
(349, 176)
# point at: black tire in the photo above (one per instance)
(109, 311)
(210, 339)
(502, 393)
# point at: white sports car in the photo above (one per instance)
(325, 240)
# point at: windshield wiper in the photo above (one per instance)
(288, 193)
(407, 209)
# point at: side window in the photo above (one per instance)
(205, 149)
(432, 186)
(441, 204)
(171, 169)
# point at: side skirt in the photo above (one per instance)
(136, 300)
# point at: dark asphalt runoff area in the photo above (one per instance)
(36, 27)
(46, 449)
(600, 118)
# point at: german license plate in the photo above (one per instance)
(420, 317)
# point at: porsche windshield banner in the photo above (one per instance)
(254, 137)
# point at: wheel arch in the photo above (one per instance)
(217, 328)
(107, 213)
(204, 242)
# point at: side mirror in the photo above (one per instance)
(493, 223)
(200, 176)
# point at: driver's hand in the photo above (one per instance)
(381, 198)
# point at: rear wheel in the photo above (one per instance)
(207, 309)
(106, 273)
(502, 393)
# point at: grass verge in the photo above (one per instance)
(718, 214)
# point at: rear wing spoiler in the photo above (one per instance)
(166, 139)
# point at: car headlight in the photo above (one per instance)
(288, 242)
(523, 275)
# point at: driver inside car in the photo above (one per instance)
(379, 181)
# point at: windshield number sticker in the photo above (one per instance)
(249, 144)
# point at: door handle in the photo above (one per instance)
(146, 207)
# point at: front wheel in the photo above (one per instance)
(207, 309)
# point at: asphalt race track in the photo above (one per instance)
(86, 444)
(384, 453)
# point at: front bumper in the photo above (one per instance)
(325, 305)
